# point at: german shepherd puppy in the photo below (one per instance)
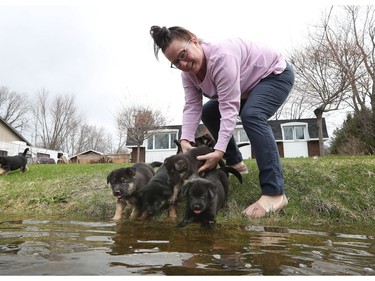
(182, 166)
(205, 139)
(124, 182)
(11, 163)
(154, 196)
(206, 196)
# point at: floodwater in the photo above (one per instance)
(70, 247)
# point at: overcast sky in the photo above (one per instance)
(101, 51)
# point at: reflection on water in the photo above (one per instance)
(36, 247)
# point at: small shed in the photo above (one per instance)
(94, 157)
(88, 157)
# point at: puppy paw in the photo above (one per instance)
(116, 219)
(208, 224)
(183, 224)
(172, 213)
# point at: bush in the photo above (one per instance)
(356, 136)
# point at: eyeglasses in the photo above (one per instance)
(182, 57)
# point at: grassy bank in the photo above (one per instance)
(338, 190)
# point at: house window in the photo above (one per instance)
(300, 132)
(42, 155)
(240, 136)
(288, 133)
(161, 141)
(3, 153)
(294, 132)
(164, 140)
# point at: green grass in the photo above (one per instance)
(338, 190)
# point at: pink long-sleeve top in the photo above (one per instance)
(234, 67)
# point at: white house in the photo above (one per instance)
(294, 138)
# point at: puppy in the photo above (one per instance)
(182, 166)
(11, 163)
(205, 139)
(124, 182)
(206, 196)
(154, 196)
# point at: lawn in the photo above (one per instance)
(326, 190)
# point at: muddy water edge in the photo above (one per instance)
(34, 246)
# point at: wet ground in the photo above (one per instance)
(70, 247)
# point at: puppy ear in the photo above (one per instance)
(110, 176)
(185, 189)
(131, 171)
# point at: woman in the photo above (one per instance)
(242, 79)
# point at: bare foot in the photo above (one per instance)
(266, 204)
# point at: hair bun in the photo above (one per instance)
(159, 34)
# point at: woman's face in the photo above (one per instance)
(185, 55)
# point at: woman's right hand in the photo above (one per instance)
(185, 145)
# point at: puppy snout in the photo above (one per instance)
(117, 194)
(197, 208)
(151, 212)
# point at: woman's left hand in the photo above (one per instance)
(211, 160)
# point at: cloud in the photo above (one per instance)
(101, 51)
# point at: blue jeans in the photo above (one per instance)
(264, 100)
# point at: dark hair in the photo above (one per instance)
(163, 36)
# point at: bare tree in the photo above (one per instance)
(337, 68)
(320, 80)
(55, 119)
(296, 106)
(90, 137)
(138, 121)
(352, 45)
(14, 108)
(121, 138)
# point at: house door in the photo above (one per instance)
(295, 149)
(295, 140)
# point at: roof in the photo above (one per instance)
(311, 122)
(14, 131)
(90, 151)
(275, 125)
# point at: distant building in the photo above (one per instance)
(294, 138)
(93, 157)
(13, 143)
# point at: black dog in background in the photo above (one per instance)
(11, 163)
(206, 196)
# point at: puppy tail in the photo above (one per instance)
(156, 164)
(243, 144)
(25, 151)
(234, 172)
(179, 148)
